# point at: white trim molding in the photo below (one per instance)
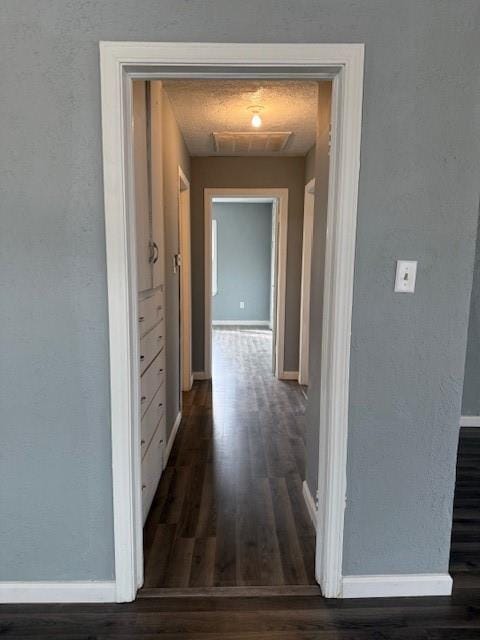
(288, 375)
(45, 592)
(240, 323)
(470, 421)
(172, 436)
(397, 585)
(120, 63)
(201, 375)
(310, 502)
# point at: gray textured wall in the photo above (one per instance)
(471, 383)
(244, 241)
(418, 198)
(255, 172)
(175, 154)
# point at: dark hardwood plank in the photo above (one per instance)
(237, 432)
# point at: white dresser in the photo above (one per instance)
(149, 217)
(151, 322)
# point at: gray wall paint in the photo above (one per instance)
(418, 198)
(255, 172)
(175, 154)
(471, 383)
(244, 241)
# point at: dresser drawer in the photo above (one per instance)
(150, 311)
(152, 465)
(150, 344)
(151, 380)
(152, 418)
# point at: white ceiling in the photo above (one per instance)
(204, 106)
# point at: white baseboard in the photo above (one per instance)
(396, 586)
(240, 323)
(310, 502)
(172, 436)
(201, 375)
(43, 592)
(288, 375)
(470, 421)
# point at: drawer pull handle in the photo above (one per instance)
(159, 337)
(144, 486)
(141, 318)
(142, 358)
(142, 442)
(160, 371)
(161, 441)
(160, 404)
(159, 308)
(143, 398)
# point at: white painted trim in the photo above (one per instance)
(309, 501)
(172, 436)
(45, 592)
(397, 586)
(119, 63)
(347, 98)
(184, 240)
(470, 421)
(240, 323)
(201, 375)
(304, 338)
(288, 375)
(281, 196)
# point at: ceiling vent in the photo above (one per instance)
(254, 142)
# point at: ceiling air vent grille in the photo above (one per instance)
(231, 142)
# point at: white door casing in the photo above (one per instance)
(309, 201)
(122, 61)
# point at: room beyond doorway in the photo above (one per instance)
(277, 253)
(244, 265)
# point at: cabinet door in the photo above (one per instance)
(142, 188)
(156, 167)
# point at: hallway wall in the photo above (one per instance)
(471, 383)
(244, 243)
(175, 154)
(254, 172)
(418, 198)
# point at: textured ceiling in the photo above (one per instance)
(204, 106)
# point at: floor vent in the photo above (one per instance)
(232, 142)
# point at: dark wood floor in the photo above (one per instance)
(287, 617)
(229, 510)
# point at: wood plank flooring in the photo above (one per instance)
(292, 617)
(229, 510)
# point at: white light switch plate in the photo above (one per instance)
(406, 275)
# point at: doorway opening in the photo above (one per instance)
(250, 250)
(243, 284)
(123, 62)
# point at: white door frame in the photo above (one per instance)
(186, 377)
(119, 63)
(308, 204)
(281, 196)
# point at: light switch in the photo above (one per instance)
(242, 305)
(406, 274)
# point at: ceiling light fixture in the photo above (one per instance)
(256, 119)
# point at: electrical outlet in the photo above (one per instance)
(242, 305)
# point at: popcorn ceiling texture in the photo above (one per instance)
(418, 199)
(204, 106)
